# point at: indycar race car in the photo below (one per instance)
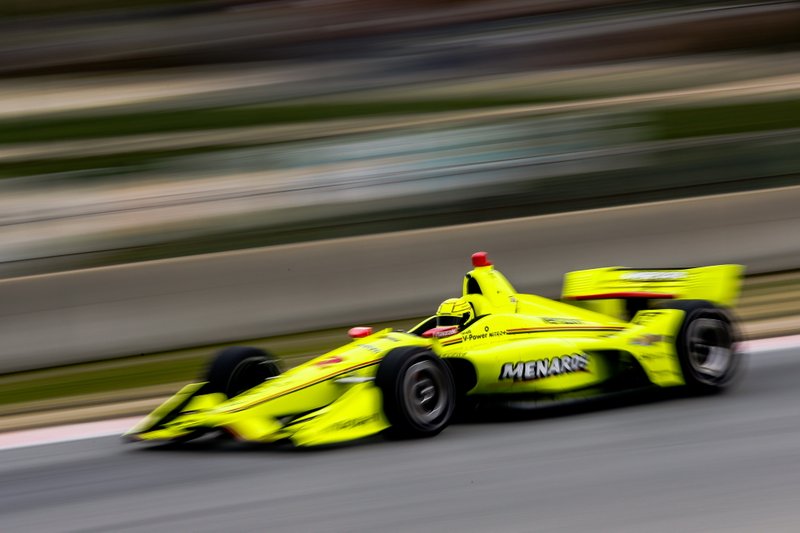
(616, 329)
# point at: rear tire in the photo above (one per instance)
(418, 392)
(706, 345)
(237, 369)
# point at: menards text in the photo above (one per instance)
(543, 368)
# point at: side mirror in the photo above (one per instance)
(359, 332)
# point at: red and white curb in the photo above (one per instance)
(67, 433)
(767, 345)
(106, 428)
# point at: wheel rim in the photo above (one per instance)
(425, 393)
(710, 348)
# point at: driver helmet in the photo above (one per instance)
(453, 312)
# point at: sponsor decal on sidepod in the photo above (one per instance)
(545, 368)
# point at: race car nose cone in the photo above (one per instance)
(481, 259)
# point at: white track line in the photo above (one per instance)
(106, 428)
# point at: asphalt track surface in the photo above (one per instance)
(728, 462)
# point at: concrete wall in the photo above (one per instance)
(100, 313)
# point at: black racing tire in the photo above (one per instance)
(418, 392)
(706, 345)
(239, 368)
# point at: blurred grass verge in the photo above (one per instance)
(666, 123)
(720, 119)
(54, 128)
(769, 306)
(672, 121)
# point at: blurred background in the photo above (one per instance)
(145, 129)
(303, 132)
(176, 175)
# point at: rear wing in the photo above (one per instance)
(612, 290)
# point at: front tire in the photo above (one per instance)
(418, 392)
(705, 346)
(239, 368)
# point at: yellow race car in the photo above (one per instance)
(615, 329)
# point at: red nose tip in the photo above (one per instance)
(481, 259)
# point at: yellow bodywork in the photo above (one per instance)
(335, 391)
(515, 344)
